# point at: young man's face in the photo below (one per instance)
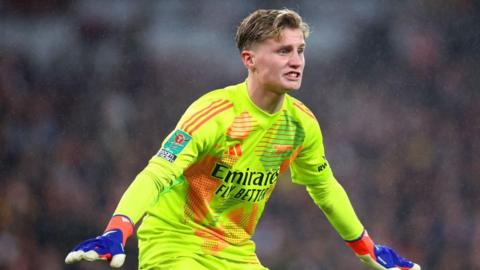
(278, 64)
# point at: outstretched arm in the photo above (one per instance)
(334, 202)
(311, 169)
(140, 195)
(178, 151)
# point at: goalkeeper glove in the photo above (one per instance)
(108, 247)
(379, 257)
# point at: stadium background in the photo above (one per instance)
(88, 90)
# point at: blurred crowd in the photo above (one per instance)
(89, 89)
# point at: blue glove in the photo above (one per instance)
(379, 257)
(107, 247)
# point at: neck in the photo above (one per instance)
(267, 100)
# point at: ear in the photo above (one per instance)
(248, 59)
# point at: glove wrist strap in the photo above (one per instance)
(122, 223)
(363, 245)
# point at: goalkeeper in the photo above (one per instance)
(201, 196)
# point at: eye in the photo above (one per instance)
(301, 50)
(284, 50)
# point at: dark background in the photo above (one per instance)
(89, 89)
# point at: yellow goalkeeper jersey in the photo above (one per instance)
(206, 188)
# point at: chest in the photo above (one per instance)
(266, 147)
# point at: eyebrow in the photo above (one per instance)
(289, 46)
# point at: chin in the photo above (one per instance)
(292, 86)
(285, 87)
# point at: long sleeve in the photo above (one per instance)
(311, 169)
(335, 204)
(146, 189)
(192, 137)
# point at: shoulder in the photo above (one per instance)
(213, 107)
(224, 96)
(304, 116)
(299, 109)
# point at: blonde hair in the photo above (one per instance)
(263, 24)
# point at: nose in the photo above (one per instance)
(296, 60)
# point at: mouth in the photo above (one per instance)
(293, 75)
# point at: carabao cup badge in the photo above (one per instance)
(175, 144)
